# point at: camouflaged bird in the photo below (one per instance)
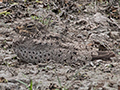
(57, 47)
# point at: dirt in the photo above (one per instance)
(96, 25)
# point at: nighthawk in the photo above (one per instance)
(41, 46)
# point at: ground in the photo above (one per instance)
(95, 24)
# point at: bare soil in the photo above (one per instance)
(96, 24)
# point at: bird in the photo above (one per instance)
(54, 46)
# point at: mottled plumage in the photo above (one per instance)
(53, 46)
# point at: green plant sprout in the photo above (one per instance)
(29, 87)
(5, 13)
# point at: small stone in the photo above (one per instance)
(115, 35)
